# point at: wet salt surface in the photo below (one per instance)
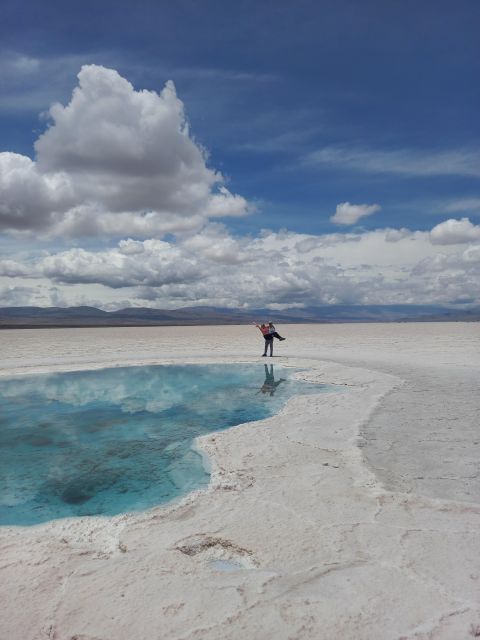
(428, 447)
(226, 565)
(115, 440)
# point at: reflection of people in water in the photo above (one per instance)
(270, 386)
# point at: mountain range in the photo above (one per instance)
(44, 317)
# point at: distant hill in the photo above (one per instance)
(39, 317)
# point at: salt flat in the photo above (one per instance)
(352, 514)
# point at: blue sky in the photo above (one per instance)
(302, 106)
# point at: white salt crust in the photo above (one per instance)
(353, 514)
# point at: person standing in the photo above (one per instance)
(268, 337)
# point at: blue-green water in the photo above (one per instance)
(116, 440)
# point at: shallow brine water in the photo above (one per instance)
(116, 440)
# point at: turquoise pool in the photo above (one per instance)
(109, 441)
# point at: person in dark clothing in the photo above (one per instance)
(273, 331)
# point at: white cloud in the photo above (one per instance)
(213, 267)
(455, 232)
(13, 269)
(472, 254)
(471, 205)
(41, 295)
(114, 161)
(15, 65)
(347, 213)
(162, 263)
(394, 235)
(408, 162)
(121, 163)
(30, 200)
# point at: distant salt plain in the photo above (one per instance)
(353, 515)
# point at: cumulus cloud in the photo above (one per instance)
(114, 161)
(28, 199)
(394, 235)
(282, 269)
(161, 263)
(13, 269)
(455, 232)
(472, 254)
(122, 163)
(347, 213)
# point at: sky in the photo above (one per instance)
(262, 153)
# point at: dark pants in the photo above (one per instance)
(268, 344)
